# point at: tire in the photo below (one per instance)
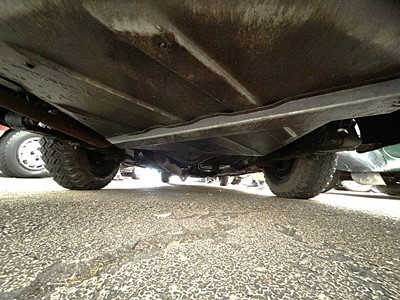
(300, 178)
(353, 186)
(334, 181)
(20, 155)
(76, 168)
(223, 180)
(165, 176)
(393, 190)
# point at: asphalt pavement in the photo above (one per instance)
(138, 240)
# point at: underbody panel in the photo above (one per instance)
(133, 71)
(270, 128)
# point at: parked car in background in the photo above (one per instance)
(19, 154)
(379, 168)
(343, 181)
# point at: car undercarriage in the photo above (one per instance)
(198, 88)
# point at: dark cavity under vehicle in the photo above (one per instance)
(201, 88)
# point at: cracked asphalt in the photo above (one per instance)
(137, 241)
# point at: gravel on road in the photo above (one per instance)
(197, 242)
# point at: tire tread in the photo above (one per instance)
(5, 143)
(312, 177)
(68, 169)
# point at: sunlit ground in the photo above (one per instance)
(368, 202)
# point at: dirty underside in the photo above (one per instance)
(124, 66)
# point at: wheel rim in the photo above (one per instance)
(351, 185)
(98, 163)
(29, 155)
(281, 169)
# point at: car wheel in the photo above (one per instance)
(300, 178)
(165, 176)
(223, 180)
(393, 190)
(75, 167)
(353, 186)
(334, 181)
(20, 155)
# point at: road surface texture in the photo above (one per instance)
(181, 241)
